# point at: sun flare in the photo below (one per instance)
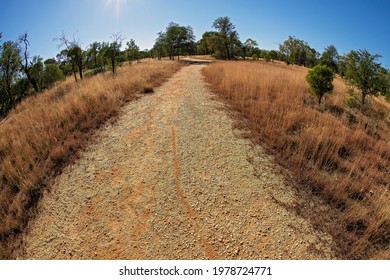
(118, 5)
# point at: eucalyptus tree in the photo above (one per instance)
(73, 52)
(228, 35)
(114, 49)
(9, 70)
(159, 45)
(330, 58)
(92, 55)
(249, 46)
(365, 72)
(297, 51)
(26, 64)
(175, 41)
(132, 50)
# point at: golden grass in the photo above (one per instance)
(46, 132)
(334, 152)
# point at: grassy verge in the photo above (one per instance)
(46, 132)
(334, 152)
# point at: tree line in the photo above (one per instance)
(358, 67)
(22, 75)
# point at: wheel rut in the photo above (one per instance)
(210, 253)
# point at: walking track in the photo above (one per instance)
(171, 180)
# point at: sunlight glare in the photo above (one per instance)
(117, 4)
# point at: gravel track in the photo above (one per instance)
(171, 180)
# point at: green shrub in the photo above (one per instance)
(350, 99)
(320, 80)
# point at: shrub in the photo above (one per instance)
(350, 99)
(320, 80)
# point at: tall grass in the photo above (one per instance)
(332, 151)
(45, 132)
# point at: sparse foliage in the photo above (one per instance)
(93, 55)
(330, 58)
(296, 51)
(51, 74)
(132, 50)
(175, 41)
(113, 51)
(228, 39)
(73, 53)
(273, 55)
(25, 62)
(159, 45)
(249, 47)
(9, 67)
(364, 71)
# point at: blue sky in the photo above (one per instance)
(346, 24)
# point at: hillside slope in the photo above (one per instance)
(338, 152)
(46, 132)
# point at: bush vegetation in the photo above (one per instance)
(320, 80)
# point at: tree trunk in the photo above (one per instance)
(2, 109)
(80, 66)
(364, 93)
(227, 51)
(113, 64)
(11, 100)
(32, 81)
(171, 53)
(26, 70)
(74, 72)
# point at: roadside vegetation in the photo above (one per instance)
(23, 74)
(334, 151)
(47, 131)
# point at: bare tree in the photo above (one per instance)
(113, 50)
(74, 53)
(25, 62)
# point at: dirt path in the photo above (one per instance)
(170, 180)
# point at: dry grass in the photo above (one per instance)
(46, 132)
(201, 57)
(335, 153)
